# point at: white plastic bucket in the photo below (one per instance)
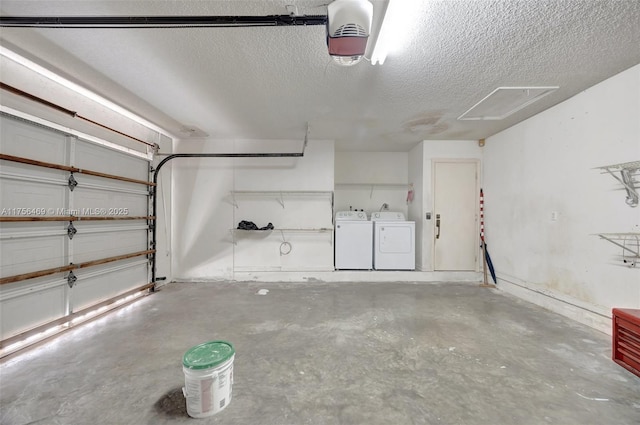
(208, 378)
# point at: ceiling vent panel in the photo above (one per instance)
(505, 101)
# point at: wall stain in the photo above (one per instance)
(562, 281)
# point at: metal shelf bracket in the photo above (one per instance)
(629, 242)
(628, 172)
(281, 200)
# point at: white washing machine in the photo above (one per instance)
(394, 241)
(353, 241)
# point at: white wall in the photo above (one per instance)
(205, 209)
(432, 150)
(546, 165)
(416, 211)
(366, 180)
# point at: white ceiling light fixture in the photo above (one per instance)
(348, 29)
(505, 101)
(394, 24)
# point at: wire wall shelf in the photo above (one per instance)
(630, 244)
(628, 174)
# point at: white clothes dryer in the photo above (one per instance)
(394, 245)
(353, 241)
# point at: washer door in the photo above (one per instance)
(353, 243)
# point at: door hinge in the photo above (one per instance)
(72, 183)
(71, 279)
(71, 231)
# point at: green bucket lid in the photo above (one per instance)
(208, 355)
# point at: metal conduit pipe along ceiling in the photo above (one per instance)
(160, 21)
(203, 155)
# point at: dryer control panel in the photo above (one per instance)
(387, 216)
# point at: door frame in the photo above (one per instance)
(475, 161)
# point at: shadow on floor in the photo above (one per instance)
(172, 404)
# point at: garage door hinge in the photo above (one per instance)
(71, 279)
(72, 182)
(71, 230)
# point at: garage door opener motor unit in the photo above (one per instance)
(348, 29)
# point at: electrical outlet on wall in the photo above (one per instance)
(554, 215)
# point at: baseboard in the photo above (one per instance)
(341, 276)
(594, 316)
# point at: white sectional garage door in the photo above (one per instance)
(91, 226)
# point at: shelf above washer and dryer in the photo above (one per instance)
(279, 195)
(372, 186)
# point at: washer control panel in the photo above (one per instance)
(351, 215)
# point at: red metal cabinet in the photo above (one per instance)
(626, 339)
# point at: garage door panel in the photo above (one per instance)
(108, 203)
(92, 156)
(25, 255)
(29, 141)
(107, 281)
(27, 172)
(17, 230)
(100, 183)
(28, 304)
(88, 226)
(19, 197)
(95, 246)
(41, 193)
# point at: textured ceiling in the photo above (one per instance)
(267, 83)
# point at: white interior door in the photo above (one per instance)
(455, 219)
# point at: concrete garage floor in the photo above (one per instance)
(319, 353)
